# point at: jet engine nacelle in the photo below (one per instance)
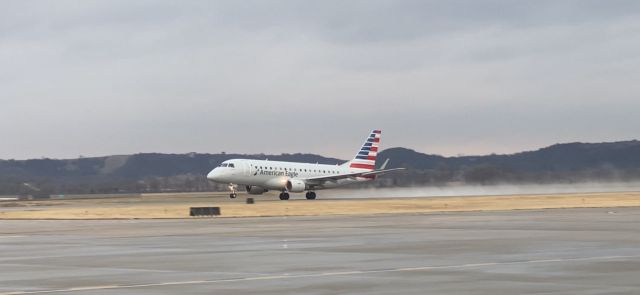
(295, 185)
(255, 190)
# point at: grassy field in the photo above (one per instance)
(177, 205)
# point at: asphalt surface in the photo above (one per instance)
(571, 251)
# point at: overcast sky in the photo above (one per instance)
(445, 77)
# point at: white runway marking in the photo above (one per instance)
(66, 267)
(317, 275)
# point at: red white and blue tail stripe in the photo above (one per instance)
(366, 157)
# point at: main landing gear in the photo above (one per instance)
(310, 195)
(233, 193)
(284, 196)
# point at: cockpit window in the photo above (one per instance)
(231, 165)
(223, 165)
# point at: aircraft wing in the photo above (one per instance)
(381, 171)
(335, 177)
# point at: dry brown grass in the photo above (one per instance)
(172, 206)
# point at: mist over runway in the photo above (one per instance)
(480, 190)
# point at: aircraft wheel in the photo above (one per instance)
(284, 196)
(311, 195)
(233, 195)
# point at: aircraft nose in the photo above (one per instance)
(213, 175)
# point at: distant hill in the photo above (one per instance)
(571, 162)
(138, 165)
(559, 157)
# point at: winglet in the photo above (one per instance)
(384, 165)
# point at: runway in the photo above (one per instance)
(568, 251)
(178, 205)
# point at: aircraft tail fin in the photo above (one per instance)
(365, 159)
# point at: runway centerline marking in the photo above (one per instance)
(317, 275)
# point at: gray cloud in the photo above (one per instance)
(106, 77)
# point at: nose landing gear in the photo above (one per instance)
(232, 188)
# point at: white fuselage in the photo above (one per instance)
(273, 175)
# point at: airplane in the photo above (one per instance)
(260, 176)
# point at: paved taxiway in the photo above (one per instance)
(570, 251)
